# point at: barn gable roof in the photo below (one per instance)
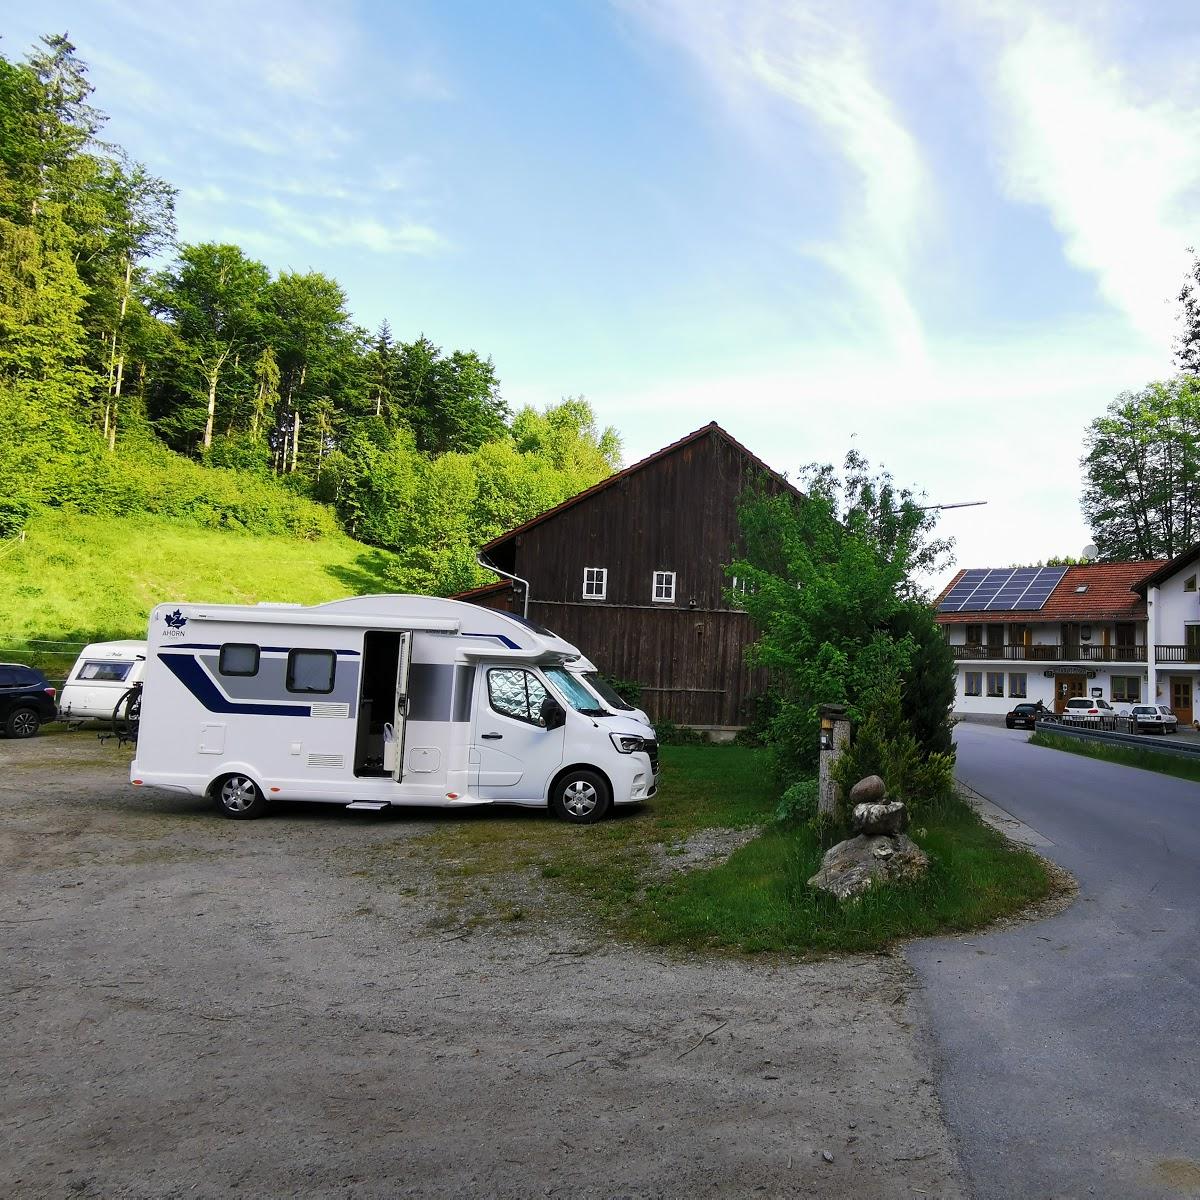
(712, 429)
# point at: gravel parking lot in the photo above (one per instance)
(197, 1007)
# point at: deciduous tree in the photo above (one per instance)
(1141, 493)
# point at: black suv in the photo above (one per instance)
(26, 700)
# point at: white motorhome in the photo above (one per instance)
(378, 701)
(102, 674)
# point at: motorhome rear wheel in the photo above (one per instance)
(238, 797)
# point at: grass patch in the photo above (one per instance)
(759, 899)
(490, 858)
(612, 873)
(1125, 756)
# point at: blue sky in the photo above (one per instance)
(945, 233)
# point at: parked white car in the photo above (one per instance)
(1081, 710)
(1151, 718)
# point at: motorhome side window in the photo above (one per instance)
(516, 693)
(310, 670)
(238, 658)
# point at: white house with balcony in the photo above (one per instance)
(1173, 619)
(1051, 633)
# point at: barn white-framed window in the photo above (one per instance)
(664, 587)
(595, 583)
(743, 587)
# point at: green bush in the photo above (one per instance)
(14, 512)
(885, 745)
(670, 734)
(798, 803)
(628, 689)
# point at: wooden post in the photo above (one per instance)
(835, 737)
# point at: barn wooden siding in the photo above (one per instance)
(676, 511)
(691, 664)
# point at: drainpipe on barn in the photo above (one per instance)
(487, 566)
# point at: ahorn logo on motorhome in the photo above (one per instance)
(175, 622)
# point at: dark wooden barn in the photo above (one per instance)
(632, 572)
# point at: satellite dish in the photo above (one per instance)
(1090, 551)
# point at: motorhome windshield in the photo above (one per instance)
(605, 691)
(568, 685)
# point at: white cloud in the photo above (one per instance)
(1001, 421)
(793, 60)
(1116, 166)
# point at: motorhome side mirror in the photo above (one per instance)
(552, 713)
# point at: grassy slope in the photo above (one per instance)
(86, 578)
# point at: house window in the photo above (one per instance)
(238, 658)
(974, 684)
(311, 671)
(742, 586)
(664, 587)
(1126, 687)
(1189, 584)
(974, 635)
(595, 583)
(517, 693)
(995, 683)
(1017, 682)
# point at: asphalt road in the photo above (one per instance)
(1068, 1047)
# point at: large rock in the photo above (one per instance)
(860, 863)
(880, 818)
(868, 791)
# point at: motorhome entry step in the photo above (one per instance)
(370, 805)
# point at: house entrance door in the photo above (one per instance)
(1065, 688)
(1181, 699)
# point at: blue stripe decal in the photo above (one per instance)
(193, 676)
(264, 649)
(503, 640)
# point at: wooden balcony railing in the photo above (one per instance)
(1177, 654)
(1066, 653)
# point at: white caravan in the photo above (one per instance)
(378, 701)
(102, 674)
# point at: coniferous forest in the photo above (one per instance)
(144, 375)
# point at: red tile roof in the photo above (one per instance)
(1109, 597)
(705, 430)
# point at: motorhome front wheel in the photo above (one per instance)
(238, 797)
(581, 797)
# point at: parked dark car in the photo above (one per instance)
(1025, 715)
(26, 700)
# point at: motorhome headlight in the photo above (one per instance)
(627, 743)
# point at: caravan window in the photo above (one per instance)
(514, 692)
(310, 670)
(238, 658)
(105, 671)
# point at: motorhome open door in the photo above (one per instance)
(400, 712)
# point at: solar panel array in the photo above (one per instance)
(1019, 589)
